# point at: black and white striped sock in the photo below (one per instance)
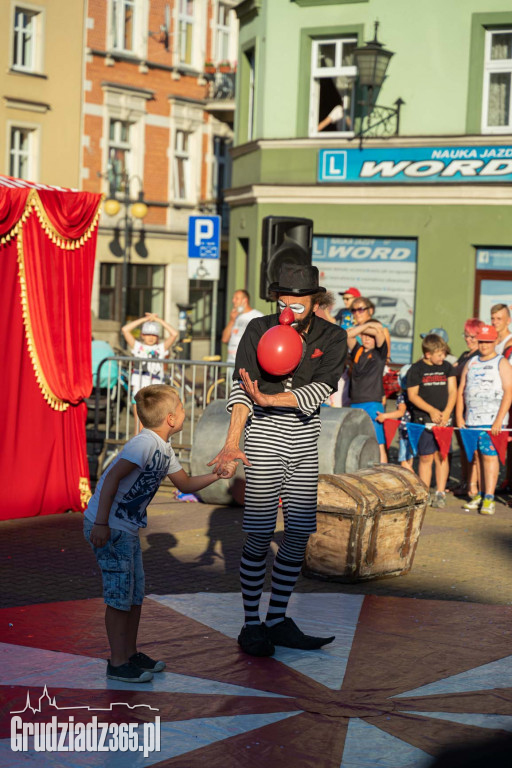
(253, 566)
(285, 573)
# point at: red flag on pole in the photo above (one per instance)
(443, 436)
(500, 442)
(390, 428)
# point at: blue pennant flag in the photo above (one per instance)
(415, 431)
(469, 439)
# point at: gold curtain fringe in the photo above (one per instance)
(17, 227)
(85, 491)
(54, 402)
(34, 201)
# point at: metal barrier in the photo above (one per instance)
(198, 383)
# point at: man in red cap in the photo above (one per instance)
(483, 401)
(344, 316)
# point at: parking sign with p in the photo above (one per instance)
(204, 247)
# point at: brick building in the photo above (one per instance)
(157, 125)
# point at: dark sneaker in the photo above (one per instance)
(288, 634)
(253, 639)
(128, 673)
(144, 661)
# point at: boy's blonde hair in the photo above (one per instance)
(154, 403)
(433, 343)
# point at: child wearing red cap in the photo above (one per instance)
(483, 401)
(344, 316)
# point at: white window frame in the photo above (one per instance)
(139, 27)
(495, 67)
(184, 20)
(223, 33)
(32, 154)
(337, 70)
(37, 33)
(119, 143)
(181, 154)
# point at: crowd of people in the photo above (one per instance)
(472, 392)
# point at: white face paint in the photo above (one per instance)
(297, 308)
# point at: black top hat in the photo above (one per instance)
(297, 280)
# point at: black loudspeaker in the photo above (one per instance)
(284, 240)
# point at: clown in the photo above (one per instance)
(281, 416)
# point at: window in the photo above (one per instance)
(145, 290)
(221, 166)
(22, 153)
(123, 28)
(26, 51)
(185, 31)
(250, 56)
(119, 154)
(146, 285)
(222, 50)
(333, 75)
(181, 166)
(497, 114)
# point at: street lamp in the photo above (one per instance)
(372, 61)
(133, 209)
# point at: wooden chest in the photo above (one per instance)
(368, 524)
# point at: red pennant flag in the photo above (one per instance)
(500, 442)
(390, 428)
(443, 436)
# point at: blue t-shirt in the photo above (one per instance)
(154, 459)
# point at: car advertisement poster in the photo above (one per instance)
(383, 271)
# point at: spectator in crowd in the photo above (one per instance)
(148, 346)
(239, 318)
(338, 118)
(368, 363)
(500, 319)
(432, 392)
(363, 310)
(470, 474)
(344, 316)
(483, 401)
(402, 412)
(444, 336)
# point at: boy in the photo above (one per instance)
(117, 511)
(432, 392)
(483, 401)
(402, 412)
(368, 363)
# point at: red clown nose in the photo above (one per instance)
(280, 348)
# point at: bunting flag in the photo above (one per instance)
(415, 431)
(390, 428)
(443, 436)
(500, 442)
(469, 439)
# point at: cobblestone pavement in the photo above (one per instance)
(193, 547)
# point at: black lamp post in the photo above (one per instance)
(372, 61)
(136, 209)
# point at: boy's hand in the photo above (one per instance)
(227, 471)
(227, 456)
(445, 418)
(496, 427)
(436, 415)
(100, 534)
(380, 417)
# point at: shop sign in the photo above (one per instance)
(406, 165)
(383, 271)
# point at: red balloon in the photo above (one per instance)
(279, 350)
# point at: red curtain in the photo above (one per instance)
(47, 269)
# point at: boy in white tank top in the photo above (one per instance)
(483, 400)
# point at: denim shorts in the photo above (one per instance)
(121, 566)
(405, 451)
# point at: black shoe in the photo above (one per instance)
(253, 639)
(128, 673)
(288, 634)
(144, 661)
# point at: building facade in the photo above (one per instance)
(41, 90)
(419, 220)
(157, 127)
